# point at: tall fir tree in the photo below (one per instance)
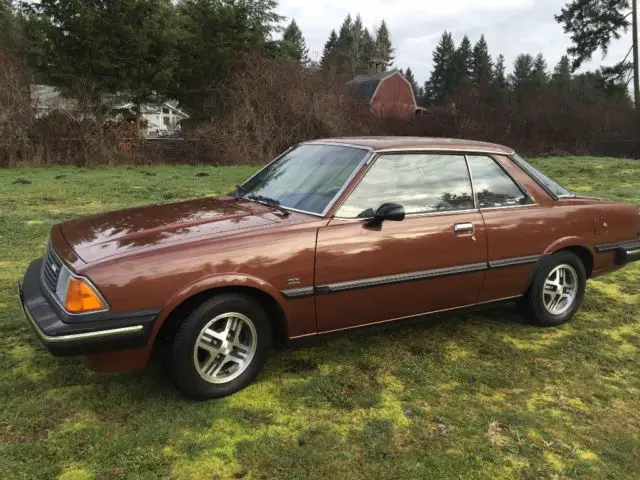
(329, 50)
(539, 74)
(481, 65)
(522, 72)
(344, 45)
(462, 63)
(368, 49)
(562, 72)
(414, 85)
(293, 45)
(441, 84)
(500, 74)
(356, 54)
(384, 49)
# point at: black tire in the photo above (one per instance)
(182, 365)
(533, 303)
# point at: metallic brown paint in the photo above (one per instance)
(157, 257)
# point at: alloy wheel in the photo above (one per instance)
(560, 289)
(225, 347)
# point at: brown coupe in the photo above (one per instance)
(332, 235)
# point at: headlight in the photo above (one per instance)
(77, 294)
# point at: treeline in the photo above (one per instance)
(252, 90)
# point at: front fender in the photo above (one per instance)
(215, 281)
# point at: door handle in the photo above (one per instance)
(463, 227)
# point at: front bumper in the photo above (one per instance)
(63, 337)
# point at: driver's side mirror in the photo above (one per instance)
(387, 211)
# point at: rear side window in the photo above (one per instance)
(421, 183)
(492, 186)
(549, 185)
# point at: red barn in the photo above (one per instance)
(389, 94)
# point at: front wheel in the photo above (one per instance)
(221, 347)
(557, 290)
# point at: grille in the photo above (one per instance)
(51, 270)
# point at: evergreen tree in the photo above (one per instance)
(500, 74)
(539, 74)
(409, 76)
(345, 38)
(384, 49)
(562, 71)
(343, 52)
(120, 46)
(368, 50)
(357, 56)
(328, 53)
(593, 25)
(522, 72)
(293, 44)
(12, 36)
(462, 62)
(440, 85)
(481, 65)
(213, 33)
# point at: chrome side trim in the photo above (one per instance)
(298, 292)
(608, 247)
(399, 278)
(510, 262)
(295, 293)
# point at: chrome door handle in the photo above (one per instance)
(463, 227)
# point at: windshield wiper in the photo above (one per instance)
(238, 193)
(270, 202)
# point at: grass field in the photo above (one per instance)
(474, 395)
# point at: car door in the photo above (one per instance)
(435, 259)
(517, 228)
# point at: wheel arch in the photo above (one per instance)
(178, 311)
(579, 248)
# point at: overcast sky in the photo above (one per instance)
(510, 27)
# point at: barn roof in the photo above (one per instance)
(365, 86)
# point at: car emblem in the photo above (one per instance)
(54, 267)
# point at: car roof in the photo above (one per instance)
(417, 143)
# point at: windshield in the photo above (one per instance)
(306, 178)
(549, 185)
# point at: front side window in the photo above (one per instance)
(492, 186)
(421, 183)
(306, 178)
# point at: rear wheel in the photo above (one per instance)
(557, 290)
(221, 347)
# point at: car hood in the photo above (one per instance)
(99, 236)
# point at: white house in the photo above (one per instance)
(162, 118)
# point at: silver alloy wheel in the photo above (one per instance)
(225, 347)
(560, 289)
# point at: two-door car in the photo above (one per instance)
(331, 235)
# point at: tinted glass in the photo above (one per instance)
(541, 178)
(493, 187)
(420, 183)
(306, 178)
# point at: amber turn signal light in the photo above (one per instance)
(81, 297)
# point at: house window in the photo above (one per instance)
(165, 110)
(165, 120)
